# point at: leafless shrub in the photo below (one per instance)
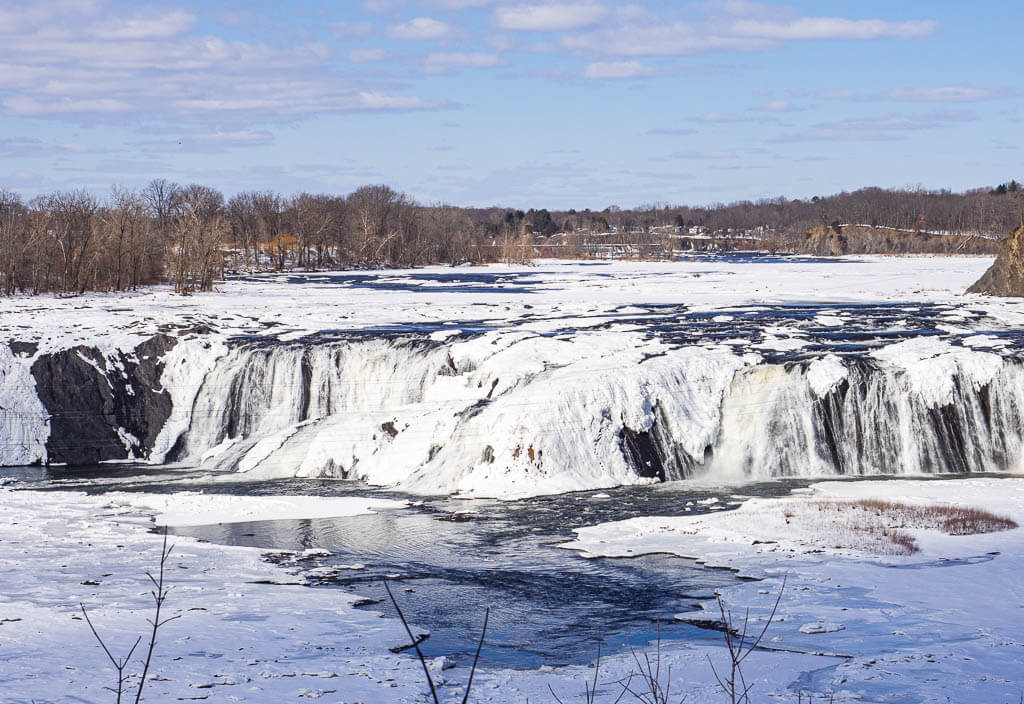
(654, 689)
(159, 592)
(740, 643)
(590, 688)
(422, 658)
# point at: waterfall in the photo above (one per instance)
(874, 420)
(509, 414)
(514, 413)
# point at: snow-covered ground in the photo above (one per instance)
(276, 305)
(515, 381)
(249, 631)
(944, 624)
(566, 345)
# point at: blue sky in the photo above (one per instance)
(580, 103)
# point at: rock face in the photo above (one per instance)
(1006, 275)
(103, 407)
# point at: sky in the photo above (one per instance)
(572, 104)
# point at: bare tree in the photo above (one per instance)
(199, 226)
(73, 225)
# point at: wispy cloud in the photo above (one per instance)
(672, 131)
(887, 127)
(462, 60)
(714, 155)
(368, 56)
(29, 147)
(550, 17)
(347, 30)
(832, 28)
(618, 69)
(420, 29)
(940, 94)
(71, 61)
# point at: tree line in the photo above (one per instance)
(69, 242)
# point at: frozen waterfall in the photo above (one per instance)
(512, 414)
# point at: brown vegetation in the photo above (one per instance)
(69, 242)
(868, 521)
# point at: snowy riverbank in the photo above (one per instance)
(943, 624)
(919, 628)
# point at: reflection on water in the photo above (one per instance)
(450, 559)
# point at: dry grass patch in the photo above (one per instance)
(881, 526)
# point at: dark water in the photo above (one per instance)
(448, 560)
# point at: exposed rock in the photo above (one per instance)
(1006, 275)
(24, 349)
(103, 408)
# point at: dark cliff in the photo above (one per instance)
(103, 408)
(1006, 275)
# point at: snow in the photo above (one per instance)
(270, 304)
(931, 365)
(184, 508)
(24, 422)
(901, 626)
(248, 630)
(825, 373)
(593, 378)
(238, 638)
(944, 624)
(528, 381)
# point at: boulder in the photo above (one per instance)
(1006, 275)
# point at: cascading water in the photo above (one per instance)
(510, 414)
(870, 420)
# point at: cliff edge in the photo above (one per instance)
(1006, 275)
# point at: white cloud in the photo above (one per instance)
(461, 4)
(346, 30)
(712, 155)
(672, 39)
(500, 42)
(71, 62)
(887, 127)
(832, 28)
(941, 94)
(618, 69)
(167, 25)
(781, 105)
(900, 121)
(236, 137)
(420, 28)
(29, 106)
(463, 60)
(382, 6)
(368, 56)
(550, 17)
(724, 117)
(30, 147)
(672, 131)
(380, 101)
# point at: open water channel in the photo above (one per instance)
(450, 559)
